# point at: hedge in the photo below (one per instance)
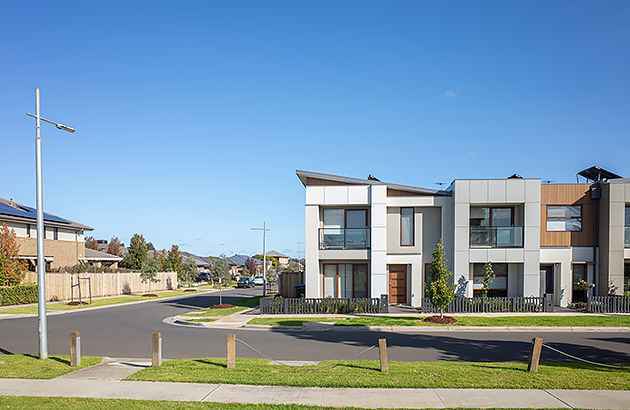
(18, 295)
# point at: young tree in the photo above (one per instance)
(438, 290)
(91, 243)
(188, 271)
(220, 270)
(150, 268)
(161, 258)
(174, 262)
(270, 260)
(137, 254)
(250, 264)
(245, 272)
(114, 247)
(488, 277)
(12, 270)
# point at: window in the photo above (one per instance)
(498, 287)
(345, 229)
(55, 233)
(494, 227)
(627, 228)
(406, 227)
(484, 216)
(626, 279)
(345, 280)
(579, 273)
(28, 230)
(564, 218)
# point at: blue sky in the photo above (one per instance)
(192, 117)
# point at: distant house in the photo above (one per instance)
(100, 259)
(64, 243)
(203, 264)
(103, 245)
(283, 260)
(240, 261)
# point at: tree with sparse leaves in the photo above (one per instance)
(439, 292)
(12, 270)
(137, 254)
(220, 270)
(91, 243)
(250, 264)
(150, 268)
(115, 247)
(488, 277)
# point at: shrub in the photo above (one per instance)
(18, 294)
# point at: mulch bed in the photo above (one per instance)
(149, 295)
(76, 303)
(190, 290)
(223, 306)
(446, 320)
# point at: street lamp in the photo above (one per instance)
(264, 229)
(41, 267)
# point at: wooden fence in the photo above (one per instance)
(608, 304)
(487, 305)
(278, 305)
(58, 285)
(287, 282)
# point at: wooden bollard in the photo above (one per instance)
(156, 349)
(75, 349)
(534, 355)
(382, 354)
(231, 350)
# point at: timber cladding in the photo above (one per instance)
(567, 195)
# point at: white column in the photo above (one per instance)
(311, 252)
(378, 248)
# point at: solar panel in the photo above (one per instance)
(28, 212)
(597, 174)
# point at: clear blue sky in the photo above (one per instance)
(193, 116)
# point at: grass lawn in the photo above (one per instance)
(46, 403)
(201, 320)
(215, 312)
(573, 321)
(95, 302)
(21, 366)
(366, 373)
(247, 302)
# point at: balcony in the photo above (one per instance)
(348, 238)
(627, 237)
(496, 236)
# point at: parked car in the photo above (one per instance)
(259, 280)
(245, 283)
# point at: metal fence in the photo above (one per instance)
(608, 304)
(278, 305)
(487, 305)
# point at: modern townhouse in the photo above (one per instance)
(367, 237)
(64, 243)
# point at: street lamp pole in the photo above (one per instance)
(41, 263)
(264, 229)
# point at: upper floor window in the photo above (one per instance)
(494, 227)
(486, 216)
(406, 227)
(627, 229)
(344, 229)
(564, 218)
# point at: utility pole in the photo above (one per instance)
(264, 229)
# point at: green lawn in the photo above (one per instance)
(215, 312)
(201, 320)
(95, 302)
(247, 302)
(572, 321)
(366, 373)
(30, 367)
(46, 403)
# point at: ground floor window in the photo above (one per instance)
(626, 278)
(498, 286)
(345, 280)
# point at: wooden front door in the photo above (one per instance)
(398, 283)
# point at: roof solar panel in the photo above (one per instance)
(28, 212)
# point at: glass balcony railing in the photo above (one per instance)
(497, 236)
(340, 238)
(627, 238)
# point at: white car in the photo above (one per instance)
(259, 280)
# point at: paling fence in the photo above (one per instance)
(278, 305)
(58, 285)
(608, 304)
(489, 305)
(287, 282)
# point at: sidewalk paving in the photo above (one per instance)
(318, 396)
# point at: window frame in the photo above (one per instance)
(337, 279)
(413, 226)
(490, 208)
(562, 218)
(28, 230)
(55, 233)
(506, 276)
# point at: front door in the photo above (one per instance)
(398, 283)
(546, 271)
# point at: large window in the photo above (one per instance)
(626, 279)
(494, 226)
(498, 287)
(564, 218)
(345, 229)
(627, 228)
(406, 227)
(345, 280)
(579, 273)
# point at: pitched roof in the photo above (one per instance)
(200, 261)
(276, 254)
(241, 259)
(13, 211)
(93, 255)
(307, 177)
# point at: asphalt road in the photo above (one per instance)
(125, 331)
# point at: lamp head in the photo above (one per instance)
(65, 128)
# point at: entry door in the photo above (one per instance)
(546, 271)
(398, 283)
